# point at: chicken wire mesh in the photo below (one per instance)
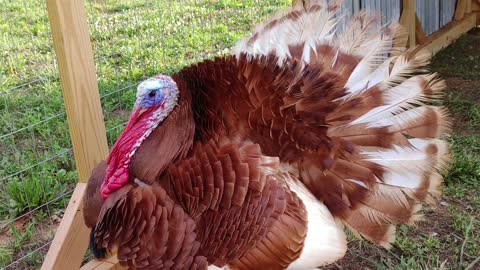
(132, 40)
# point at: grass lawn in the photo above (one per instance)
(137, 39)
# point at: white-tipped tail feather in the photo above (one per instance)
(325, 241)
(289, 29)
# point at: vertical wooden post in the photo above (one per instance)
(419, 34)
(468, 6)
(475, 6)
(407, 20)
(73, 50)
(74, 54)
(460, 9)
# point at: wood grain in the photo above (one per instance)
(419, 34)
(74, 56)
(407, 20)
(71, 238)
(460, 9)
(447, 34)
(108, 264)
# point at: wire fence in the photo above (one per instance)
(132, 40)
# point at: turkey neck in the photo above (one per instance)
(169, 142)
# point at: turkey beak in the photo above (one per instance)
(136, 113)
(141, 111)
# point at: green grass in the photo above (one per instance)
(133, 40)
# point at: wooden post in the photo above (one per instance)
(446, 35)
(475, 5)
(468, 6)
(419, 34)
(407, 20)
(74, 55)
(460, 9)
(73, 50)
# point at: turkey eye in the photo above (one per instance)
(151, 94)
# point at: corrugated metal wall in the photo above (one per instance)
(447, 9)
(428, 13)
(390, 9)
(432, 14)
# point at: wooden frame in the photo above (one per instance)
(87, 131)
(408, 21)
(446, 35)
(71, 39)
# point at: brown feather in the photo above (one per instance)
(282, 244)
(149, 230)
(250, 205)
(92, 201)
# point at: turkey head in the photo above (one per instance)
(142, 150)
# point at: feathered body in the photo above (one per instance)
(266, 154)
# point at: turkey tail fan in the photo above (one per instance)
(382, 156)
(394, 127)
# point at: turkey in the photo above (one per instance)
(261, 159)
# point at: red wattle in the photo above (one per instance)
(117, 171)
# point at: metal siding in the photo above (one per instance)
(428, 13)
(389, 9)
(420, 9)
(432, 14)
(396, 7)
(345, 12)
(435, 16)
(356, 6)
(447, 9)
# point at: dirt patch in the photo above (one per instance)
(121, 113)
(461, 59)
(462, 96)
(437, 222)
(469, 89)
(29, 235)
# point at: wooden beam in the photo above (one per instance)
(419, 34)
(476, 5)
(460, 9)
(446, 35)
(73, 50)
(108, 264)
(407, 20)
(71, 238)
(476, 10)
(468, 6)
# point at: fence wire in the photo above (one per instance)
(132, 40)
